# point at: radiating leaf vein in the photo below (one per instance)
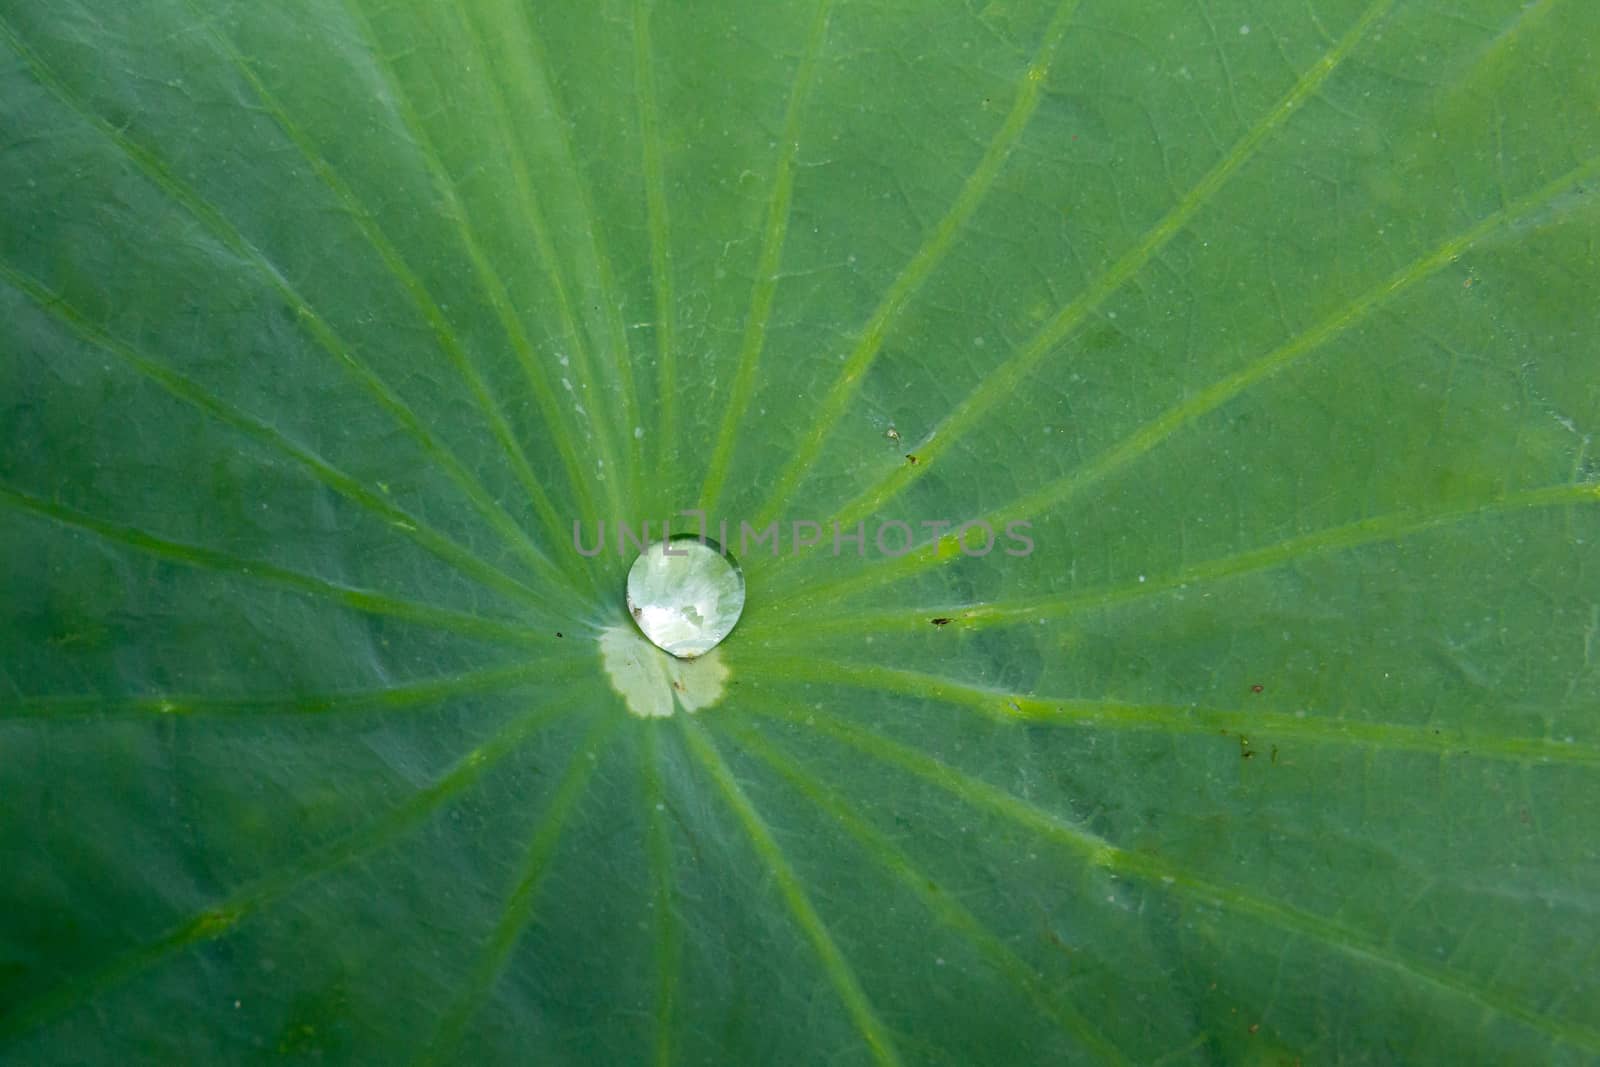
(220, 919)
(945, 907)
(1316, 728)
(494, 289)
(320, 331)
(191, 393)
(408, 280)
(362, 600)
(916, 271)
(838, 969)
(771, 256)
(1156, 871)
(518, 909)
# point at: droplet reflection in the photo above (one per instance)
(685, 595)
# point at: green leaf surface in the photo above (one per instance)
(324, 321)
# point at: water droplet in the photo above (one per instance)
(685, 595)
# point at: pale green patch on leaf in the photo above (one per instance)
(653, 683)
